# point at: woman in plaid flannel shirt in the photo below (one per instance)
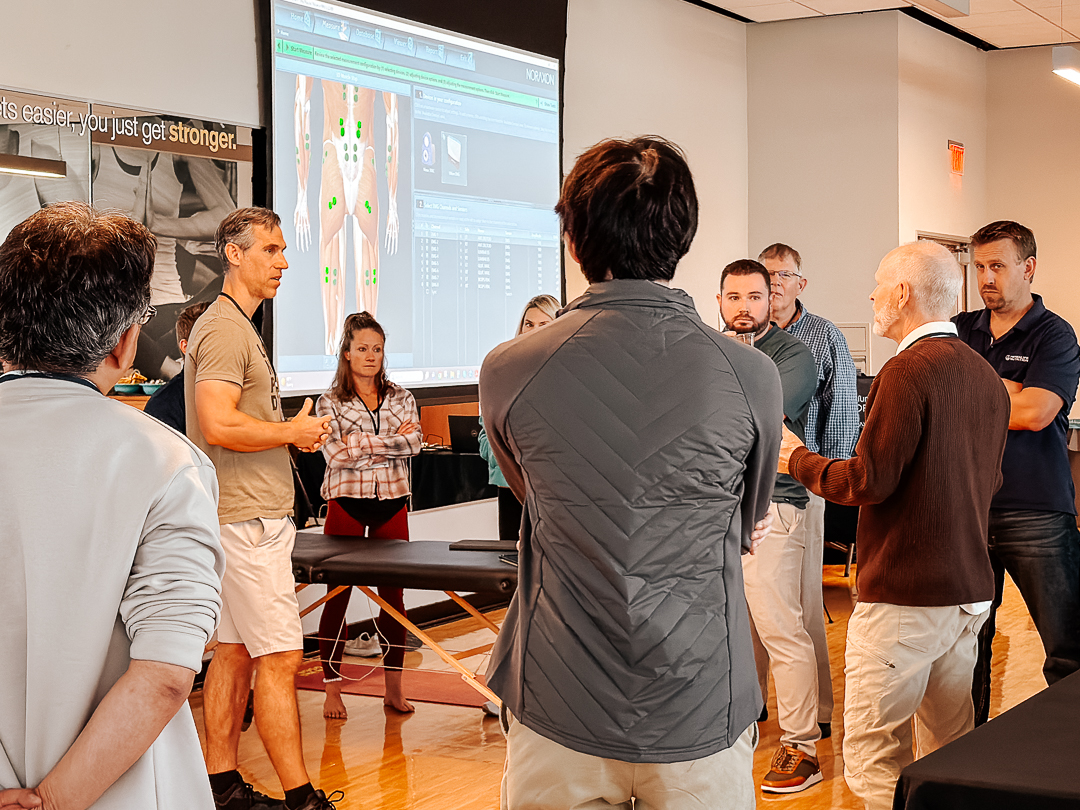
(374, 430)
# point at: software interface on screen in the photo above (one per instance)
(415, 172)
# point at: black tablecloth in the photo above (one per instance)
(443, 477)
(439, 478)
(1028, 757)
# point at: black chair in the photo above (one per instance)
(841, 521)
(308, 472)
(840, 524)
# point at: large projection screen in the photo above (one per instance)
(415, 171)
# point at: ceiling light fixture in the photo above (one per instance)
(34, 167)
(1067, 63)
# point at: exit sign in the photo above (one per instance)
(956, 152)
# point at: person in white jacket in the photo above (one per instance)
(110, 580)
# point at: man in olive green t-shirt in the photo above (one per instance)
(234, 415)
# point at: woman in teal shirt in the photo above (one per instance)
(539, 312)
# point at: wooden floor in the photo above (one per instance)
(450, 758)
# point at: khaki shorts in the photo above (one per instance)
(258, 592)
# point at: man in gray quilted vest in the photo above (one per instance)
(643, 444)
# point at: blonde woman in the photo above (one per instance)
(539, 312)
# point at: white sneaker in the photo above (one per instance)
(364, 645)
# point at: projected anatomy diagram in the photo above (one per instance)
(348, 192)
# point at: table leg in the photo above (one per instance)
(467, 675)
(476, 614)
(330, 595)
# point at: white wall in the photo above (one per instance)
(1034, 149)
(942, 97)
(1034, 177)
(194, 58)
(823, 157)
(665, 67)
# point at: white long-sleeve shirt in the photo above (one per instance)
(109, 551)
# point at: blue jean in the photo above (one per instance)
(1041, 552)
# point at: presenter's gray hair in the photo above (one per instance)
(72, 281)
(238, 228)
(934, 275)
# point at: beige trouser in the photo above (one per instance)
(773, 581)
(541, 774)
(904, 662)
(813, 602)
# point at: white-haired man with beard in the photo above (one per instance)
(926, 466)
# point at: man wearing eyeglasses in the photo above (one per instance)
(832, 428)
(110, 537)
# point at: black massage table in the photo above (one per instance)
(343, 562)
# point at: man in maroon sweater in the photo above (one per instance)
(925, 468)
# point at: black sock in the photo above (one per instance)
(297, 796)
(221, 782)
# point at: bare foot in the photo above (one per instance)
(334, 707)
(394, 696)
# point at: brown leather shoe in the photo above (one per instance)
(791, 771)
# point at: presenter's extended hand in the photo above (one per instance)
(19, 798)
(760, 532)
(310, 431)
(787, 446)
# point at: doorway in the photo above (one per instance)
(960, 247)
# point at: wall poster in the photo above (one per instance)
(177, 176)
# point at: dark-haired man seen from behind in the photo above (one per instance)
(1032, 530)
(625, 660)
(167, 403)
(774, 574)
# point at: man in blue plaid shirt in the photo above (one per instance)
(832, 428)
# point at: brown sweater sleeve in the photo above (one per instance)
(887, 445)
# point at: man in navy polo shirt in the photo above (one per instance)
(1032, 530)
